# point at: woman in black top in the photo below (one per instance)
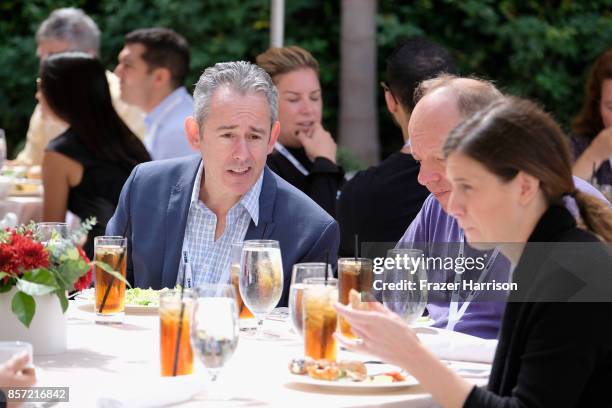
(85, 167)
(305, 154)
(509, 166)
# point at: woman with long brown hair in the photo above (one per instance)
(592, 127)
(510, 170)
(85, 167)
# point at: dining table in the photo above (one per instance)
(117, 365)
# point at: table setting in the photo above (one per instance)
(185, 346)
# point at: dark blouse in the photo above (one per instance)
(555, 354)
(322, 183)
(603, 175)
(98, 192)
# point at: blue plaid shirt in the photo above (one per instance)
(210, 259)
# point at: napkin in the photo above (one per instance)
(153, 393)
(450, 345)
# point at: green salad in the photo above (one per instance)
(142, 297)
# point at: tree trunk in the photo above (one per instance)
(358, 114)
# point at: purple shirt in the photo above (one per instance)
(438, 234)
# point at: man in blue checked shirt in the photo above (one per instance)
(201, 205)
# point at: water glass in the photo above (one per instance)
(214, 326)
(409, 301)
(261, 278)
(50, 232)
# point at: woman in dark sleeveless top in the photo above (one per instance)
(85, 167)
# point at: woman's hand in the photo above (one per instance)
(15, 372)
(383, 333)
(319, 143)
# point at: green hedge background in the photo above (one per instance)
(538, 49)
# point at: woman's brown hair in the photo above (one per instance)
(281, 60)
(513, 135)
(588, 123)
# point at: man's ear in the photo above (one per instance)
(528, 187)
(273, 136)
(192, 130)
(161, 76)
(392, 104)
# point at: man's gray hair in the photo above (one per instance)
(240, 76)
(73, 26)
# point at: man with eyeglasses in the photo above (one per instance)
(379, 203)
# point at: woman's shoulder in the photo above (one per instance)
(68, 144)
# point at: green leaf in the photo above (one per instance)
(34, 289)
(106, 268)
(71, 254)
(37, 282)
(69, 271)
(24, 307)
(61, 294)
(42, 276)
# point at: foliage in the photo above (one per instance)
(539, 49)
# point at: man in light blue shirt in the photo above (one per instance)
(152, 68)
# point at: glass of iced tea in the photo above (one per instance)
(320, 318)
(299, 274)
(353, 273)
(174, 338)
(110, 291)
(236, 253)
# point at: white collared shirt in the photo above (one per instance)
(210, 259)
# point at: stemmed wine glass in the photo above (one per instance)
(214, 326)
(261, 278)
(408, 303)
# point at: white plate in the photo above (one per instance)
(373, 369)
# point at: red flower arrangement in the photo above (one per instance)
(36, 269)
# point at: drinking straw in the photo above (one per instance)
(356, 246)
(326, 266)
(180, 322)
(112, 280)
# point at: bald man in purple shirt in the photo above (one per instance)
(441, 104)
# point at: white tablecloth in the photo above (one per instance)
(123, 360)
(26, 208)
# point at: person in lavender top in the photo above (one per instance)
(441, 104)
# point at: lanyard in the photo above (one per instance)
(282, 150)
(454, 312)
(153, 129)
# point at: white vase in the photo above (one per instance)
(48, 329)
